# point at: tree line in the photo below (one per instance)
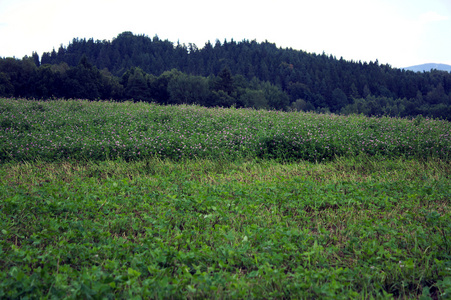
(22, 78)
(244, 74)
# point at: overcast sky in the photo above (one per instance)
(398, 32)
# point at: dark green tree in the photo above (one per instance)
(339, 100)
(84, 81)
(188, 90)
(35, 58)
(20, 74)
(6, 87)
(276, 98)
(224, 81)
(159, 86)
(136, 85)
(255, 99)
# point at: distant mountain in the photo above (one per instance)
(428, 67)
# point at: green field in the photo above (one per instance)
(134, 200)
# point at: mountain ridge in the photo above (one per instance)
(428, 67)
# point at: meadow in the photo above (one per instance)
(82, 130)
(136, 200)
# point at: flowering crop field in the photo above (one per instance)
(61, 130)
(103, 200)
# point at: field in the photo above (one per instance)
(135, 200)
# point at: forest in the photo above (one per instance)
(240, 74)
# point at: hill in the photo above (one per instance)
(244, 74)
(429, 67)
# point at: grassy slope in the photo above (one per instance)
(214, 227)
(61, 130)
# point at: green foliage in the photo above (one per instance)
(317, 79)
(284, 75)
(358, 227)
(138, 200)
(80, 130)
(6, 87)
(185, 89)
(339, 100)
(136, 85)
(254, 98)
(224, 82)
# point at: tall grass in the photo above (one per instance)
(81, 130)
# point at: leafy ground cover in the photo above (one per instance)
(204, 229)
(227, 224)
(76, 129)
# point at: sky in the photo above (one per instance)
(400, 33)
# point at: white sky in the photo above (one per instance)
(398, 32)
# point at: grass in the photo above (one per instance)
(102, 131)
(365, 225)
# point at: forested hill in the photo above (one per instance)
(308, 81)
